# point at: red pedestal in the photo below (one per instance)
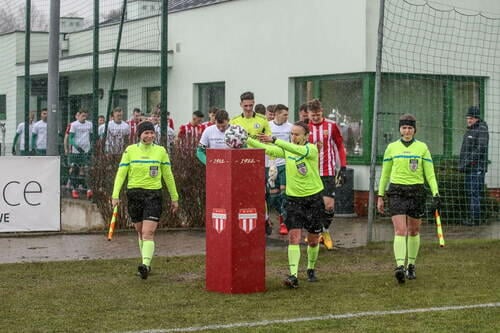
(235, 217)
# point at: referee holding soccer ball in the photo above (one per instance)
(304, 192)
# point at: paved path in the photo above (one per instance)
(95, 246)
(55, 247)
(347, 232)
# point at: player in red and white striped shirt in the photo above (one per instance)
(193, 129)
(211, 117)
(327, 137)
(133, 122)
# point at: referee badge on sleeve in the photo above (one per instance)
(413, 164)
(153, 171)
(301, 168)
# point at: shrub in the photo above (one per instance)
(455, 204)
(189, 176)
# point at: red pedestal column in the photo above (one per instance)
(235, 217)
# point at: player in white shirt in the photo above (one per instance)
(20, 135)
(276, 180)
(118, 133)
(80, 139)
(170, 137)
(270, 111)
(155, 118)
(39, 134)
(80, 134)
(213, 136)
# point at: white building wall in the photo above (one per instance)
(259, 45)
(39, 49)
(138, 35)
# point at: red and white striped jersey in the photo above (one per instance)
(190, 130)
(327, 137)
(133, 130)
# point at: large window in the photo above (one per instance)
(438, 102)
(345, 99)
(343, 102)
(423, 98)
(211, 95)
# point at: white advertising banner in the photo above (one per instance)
(30, 193)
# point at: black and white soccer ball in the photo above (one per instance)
(235, 136)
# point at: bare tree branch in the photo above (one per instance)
(12, 19)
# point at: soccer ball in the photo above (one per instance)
(235, 136)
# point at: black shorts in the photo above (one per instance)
(328, 186)
(144, 204)
(305, 212)
(407, 200)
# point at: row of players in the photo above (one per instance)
(255, 119)
(273, 121)
(77, 139)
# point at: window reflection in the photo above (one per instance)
(211, 95)
(343, 103)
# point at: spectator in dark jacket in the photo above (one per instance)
(474, 162)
